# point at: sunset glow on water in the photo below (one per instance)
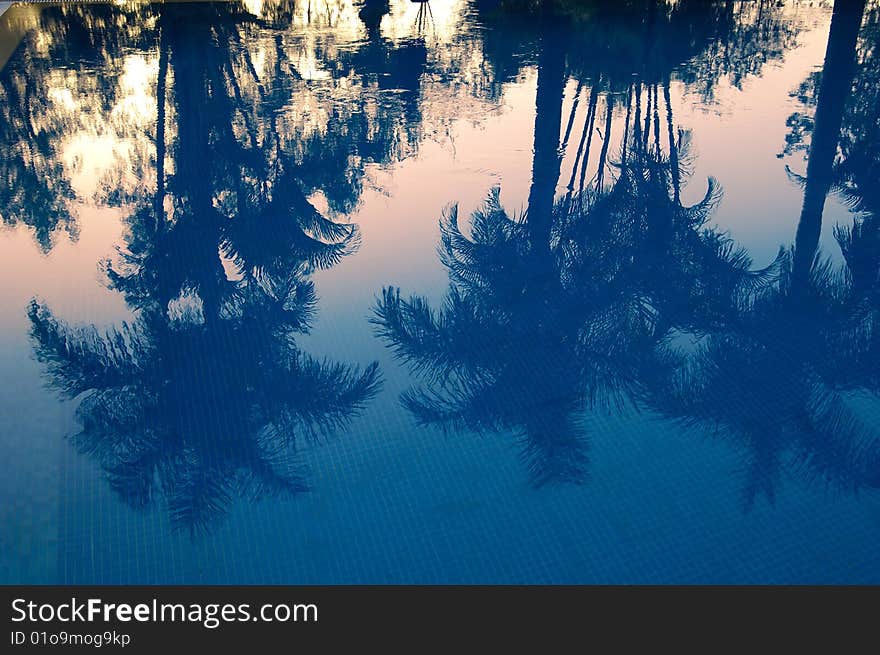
(454, 291)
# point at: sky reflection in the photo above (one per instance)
(455, 291)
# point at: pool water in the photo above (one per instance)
(459, 291)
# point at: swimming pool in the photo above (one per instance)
(440, 292)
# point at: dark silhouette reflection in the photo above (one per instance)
(841, 134)
(613, 42)
(363, 108)
(608, 291)
(392, 67)
(206, 396)
(783, 377)
(844, 159)
(199, 410)
(66, 70)
(371, 13)
(563, 308)
(536, 327)
(625, 54)
(836, 82)
(73, 84)
(769, 384)
(620, 295)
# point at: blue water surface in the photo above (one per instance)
(459, 291)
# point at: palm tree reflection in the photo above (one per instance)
(774, 380)
(196, 413)
(533, 331)
(782, 376)
(562, 308)
(620, 294)
(206, 396)
(580, 303)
